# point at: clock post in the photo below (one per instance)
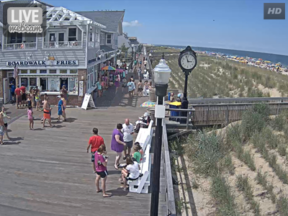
(187, 61)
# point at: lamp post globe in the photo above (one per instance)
(161, 78)
(162, 74)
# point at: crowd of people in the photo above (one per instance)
(122, 145)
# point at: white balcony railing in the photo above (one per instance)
(63, 45)
(20, 46)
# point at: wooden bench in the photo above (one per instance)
(141, 185)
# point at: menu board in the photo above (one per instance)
(54, 84)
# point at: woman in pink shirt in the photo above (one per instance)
(30, 117)
(101, 169)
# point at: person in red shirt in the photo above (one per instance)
(18, 95)
(95, 142)
(23, 89)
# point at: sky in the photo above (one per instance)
(229, 24)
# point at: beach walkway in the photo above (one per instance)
(48, 172)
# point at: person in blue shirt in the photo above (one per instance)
(99, 88)
(131, 87)
(12, 90)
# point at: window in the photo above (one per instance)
(61, 37)
(108, 39)
(72, 86)
(91, 36)
(32, 82)
(52, 71)
(74, 71)
(44, 83)
(15, 38)
(43, 71)
(52, 37)
(24, 82)
(64, 82)
(63, 71)
(24, 71)
(72, 34)
(33, 71)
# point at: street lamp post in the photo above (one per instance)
(161, 78)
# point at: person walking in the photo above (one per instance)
(12, 90)
(61, 107)
(131, 87)
(117, 144)
(37, 100)
(47, 111)
(101, 170)
(140, 87)
(24, 97)
(128, 131)
(30, 117)
(64, 92)
(145, 63)
(94, 143)
(5, 125)
(99, 88)
(18, 95)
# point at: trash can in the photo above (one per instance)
(174, 105)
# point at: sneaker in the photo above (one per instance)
(124, 158)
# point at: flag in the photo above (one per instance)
(15, 71)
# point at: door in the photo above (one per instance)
(61, 39)
(6, 90)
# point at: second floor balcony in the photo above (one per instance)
(20, 46)
(63, 45)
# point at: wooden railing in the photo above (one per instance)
(20, 46)
(169, 207)
(63, 45)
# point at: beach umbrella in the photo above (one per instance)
(119, 70)
(148, 104)
(108, 68)
(260, 59)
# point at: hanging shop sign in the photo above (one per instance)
(43, 63)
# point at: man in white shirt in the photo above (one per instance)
(128, 131)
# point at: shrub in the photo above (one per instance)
(251, 122)
(244, 186)
(282, 206)
(262, 109)
(206, 150)
(220, 191)
(278, 123)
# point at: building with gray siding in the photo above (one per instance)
(71, 51)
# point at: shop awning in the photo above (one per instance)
(106, 48)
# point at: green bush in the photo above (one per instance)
(206, 150)
(221, 192)
(251, 122)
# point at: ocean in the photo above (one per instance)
(275, 58)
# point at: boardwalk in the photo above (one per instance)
(50, 173)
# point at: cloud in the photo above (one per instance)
(131, 24)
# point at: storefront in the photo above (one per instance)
(50, 76)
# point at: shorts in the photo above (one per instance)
(47, 114)
(132, 179)
(24, 97)
(60, 112)
(129, 144)
(92, 157)
(19, 98)
(12, 94)
(102, 174)
(5, 125)
(140, 89)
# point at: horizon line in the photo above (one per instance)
(286, 55)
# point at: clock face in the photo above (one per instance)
(188, 61)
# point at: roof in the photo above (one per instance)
(110, 19)
(106, 48)
(132, 38)
(134, 42)
(28, 1)
(63, 16)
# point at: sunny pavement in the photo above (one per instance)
(48, 172)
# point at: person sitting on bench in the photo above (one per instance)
(131, 172)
